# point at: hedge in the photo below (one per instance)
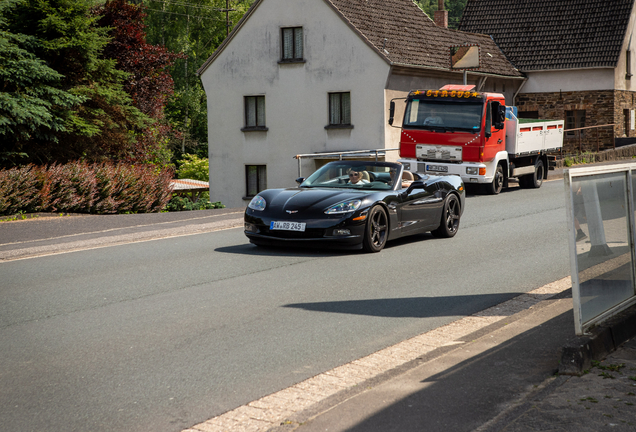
(79, 187)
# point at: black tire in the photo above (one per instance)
(449, 223)
(376, 230)
(536, 180)
(497, 182)
(533, 181)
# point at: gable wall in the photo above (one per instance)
(296, 96)
(628, 44)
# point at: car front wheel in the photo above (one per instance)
(376, 230)
(451, 213)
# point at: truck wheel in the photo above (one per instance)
(376, 230)
(535, 180)
(449, 224)
(497, 183)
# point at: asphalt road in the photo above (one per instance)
(160, 335)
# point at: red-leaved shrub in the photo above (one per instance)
(79, 187)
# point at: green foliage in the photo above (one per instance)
(583, 158)
(31, 103)
(194, 167)
(194, 28)
(178, 203)
(455, 10)
(64, 100)
(80, 187)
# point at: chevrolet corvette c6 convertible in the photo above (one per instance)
(356, 205)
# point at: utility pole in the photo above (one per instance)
(227, 11)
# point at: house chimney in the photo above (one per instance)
(441, 15)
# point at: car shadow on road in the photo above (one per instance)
(282, 251)
(409, 307)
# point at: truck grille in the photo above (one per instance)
(438, 153)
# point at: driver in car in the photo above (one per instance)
(355, 177)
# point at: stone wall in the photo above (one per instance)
(601, 108)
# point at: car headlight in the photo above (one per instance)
(344, 207)
(257, 203)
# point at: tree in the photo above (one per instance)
(32, 106)
(149, 82)
(195, 28)
(93, 117)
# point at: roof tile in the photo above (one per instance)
(552, 34)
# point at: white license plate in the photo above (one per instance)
(437, 168)
(287, 226)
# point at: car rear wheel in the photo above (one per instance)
(376, 231)
(451, 213)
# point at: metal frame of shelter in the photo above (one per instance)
(603, 261)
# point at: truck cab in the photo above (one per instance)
(456, 130)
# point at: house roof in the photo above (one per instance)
(403, 35)
(412, 38)
(549, 34)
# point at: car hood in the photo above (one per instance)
(306, 199)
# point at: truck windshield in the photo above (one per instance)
(445, 116)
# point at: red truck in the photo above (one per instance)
(456, 130)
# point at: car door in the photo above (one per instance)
(420, 207)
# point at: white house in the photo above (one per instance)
(307, 76)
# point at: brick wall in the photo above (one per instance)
(601, 108)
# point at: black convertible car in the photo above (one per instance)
(356, 205)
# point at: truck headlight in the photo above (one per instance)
(472, 170)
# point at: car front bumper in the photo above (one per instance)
(318, 232)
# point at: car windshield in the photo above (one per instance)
(354, 175)
(443, 116)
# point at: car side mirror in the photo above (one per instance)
(391, 112)
(299, 180)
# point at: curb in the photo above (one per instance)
(578, 353)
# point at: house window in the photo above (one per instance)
(340, 109)
(254, 113)
(255, 179)
(573, 120)
(292, 44)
